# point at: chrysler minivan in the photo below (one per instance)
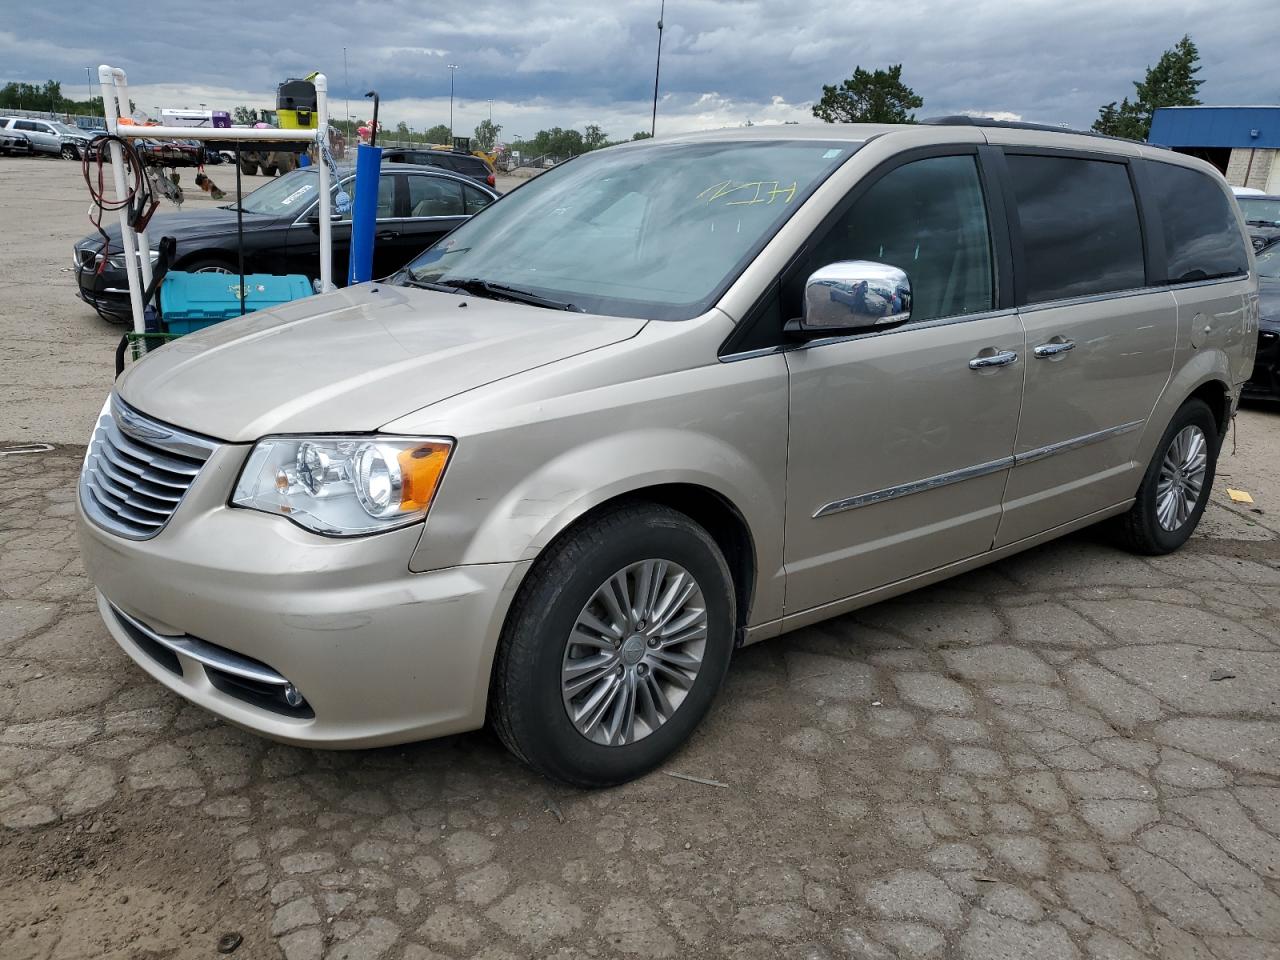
(665, 400)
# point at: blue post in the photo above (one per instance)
(364, 213)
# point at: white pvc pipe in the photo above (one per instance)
(110, 107)
(139, 132)
(326, 217)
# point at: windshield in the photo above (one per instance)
(1269, 261)
(655, 231)
(64, 129)
(1260, 209)
(290, 194)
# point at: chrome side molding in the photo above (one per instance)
(972, 473)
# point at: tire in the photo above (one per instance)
(528, 705)
(248, 167)
(69, 152)
(1145, 529)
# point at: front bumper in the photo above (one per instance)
(381, 655)
(1265, 379)
(107, 291)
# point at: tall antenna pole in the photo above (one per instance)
(653, 128)
(452, 67)
(346, 88)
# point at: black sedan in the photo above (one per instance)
(1265, 381)
(1262, 215)
(416, 207)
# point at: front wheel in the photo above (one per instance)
(69, 152)
(1175, 488)
(615, 647)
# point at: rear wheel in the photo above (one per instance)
(248, 167)
(615, 647)
(1175, 488)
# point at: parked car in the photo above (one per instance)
(465, 164)
(671, 398)
(1262, 215)
(52, 137)
(12, 142)
(170, 153)
(1265, 380)
(416, 206)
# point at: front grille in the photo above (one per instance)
(88, 258)
(137, 470)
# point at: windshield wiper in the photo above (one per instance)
(410, 281)
(500, 291)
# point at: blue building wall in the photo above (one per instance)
(1216, 127)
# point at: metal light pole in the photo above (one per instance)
(90, 76)
(452, 67)
(491, 110)
(346, 87)
(653, 128)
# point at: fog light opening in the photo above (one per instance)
(292, 697)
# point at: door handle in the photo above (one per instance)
(387, 234)
(1054, 348)
(1003, 358)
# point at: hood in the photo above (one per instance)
(352, 360)
(185, 225)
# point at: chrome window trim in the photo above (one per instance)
(204, 653)
(867, 334)
(154, 433)
(975, 471)
(1127, 293)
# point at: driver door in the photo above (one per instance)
(899, 446)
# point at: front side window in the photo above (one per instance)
(1202, 238)
(435, 197)
(692, 216)
(386, 197)
(929, 219)
(1080, 231)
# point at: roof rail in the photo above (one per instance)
(964, 120)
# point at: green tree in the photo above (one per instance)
(594, 137)
(246, 115)
(439, 134)
(641, 135)
(1172, 82)
(402, 129)
(486, 137)
(869, 97)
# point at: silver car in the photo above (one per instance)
(49, 136)
(665, 400)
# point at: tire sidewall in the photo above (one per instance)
(1193, 413)
(548, 736)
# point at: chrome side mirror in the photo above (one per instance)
(855, 295)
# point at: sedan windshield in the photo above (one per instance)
(654, 230)
(1260, 209)
(284, 195)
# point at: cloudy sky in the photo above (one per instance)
(574, 62)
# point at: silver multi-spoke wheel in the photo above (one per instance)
(214, 269)
(635, 652)
(1182, 475)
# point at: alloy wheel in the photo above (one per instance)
(1182, 474)
(634, 653)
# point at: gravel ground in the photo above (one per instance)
(1073, 753)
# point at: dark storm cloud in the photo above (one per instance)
(568, 61)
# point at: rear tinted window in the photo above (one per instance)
(1080, 233)
(1202, 239)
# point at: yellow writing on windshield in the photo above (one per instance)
(755, 191)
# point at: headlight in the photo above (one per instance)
(344, 486)
(117, 260)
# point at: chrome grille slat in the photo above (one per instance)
(131, 483)
(137, 471)
(118, 459)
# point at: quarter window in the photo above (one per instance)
(1202, 239)
(1080, 232)
(477, 200)
(927, 218)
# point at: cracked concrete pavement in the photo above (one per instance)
(1073, 753)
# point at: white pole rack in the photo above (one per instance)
(115, 91)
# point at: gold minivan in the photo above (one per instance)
(664, 400)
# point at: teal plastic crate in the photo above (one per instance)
(193, 301)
